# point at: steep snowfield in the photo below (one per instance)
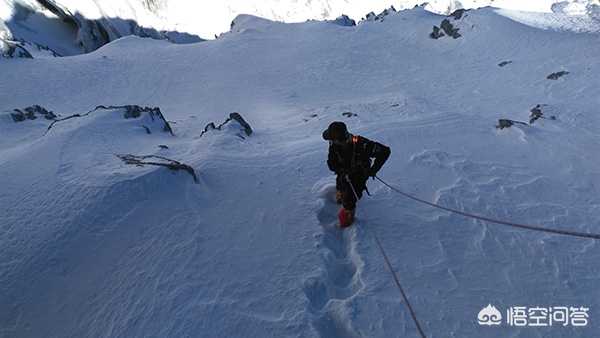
(94, 247)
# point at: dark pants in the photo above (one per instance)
(359, 182)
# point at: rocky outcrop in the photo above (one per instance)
(536, 113)
(244, 126)
(446, 27)
(95, 33)
(555, 76)
(9, 46)
(381, 16)
(31, 113)
(151, 119)
(157, 161)
(107, 25)
(132, 112)
(6, 40)
(345, 21)
(153, 115)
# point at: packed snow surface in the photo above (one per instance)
(94, 246)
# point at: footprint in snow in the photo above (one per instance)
(339, 279)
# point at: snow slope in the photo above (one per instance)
(208, 19)
(95, 247)
(73, 27)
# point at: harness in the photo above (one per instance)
(353, 160)
(353, 165)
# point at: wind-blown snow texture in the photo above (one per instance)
(94, 247)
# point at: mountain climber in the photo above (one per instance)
(350, 159)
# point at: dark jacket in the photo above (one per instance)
(354, 157)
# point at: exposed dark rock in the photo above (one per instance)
(370, 17)
(129, 112)
(7, 44)
(157, 161)
(536, 113)
(505, 123)
(235, 117)
(458, 14)
(381, 16)
(311, 116)
(134, 111)
(40, 110)
(21, 49)
(91, 33)
(345, 21)
(555, 76)
(437, 33)
(53, 8)
(11, 49)
(94, 34)
(449, 29)
(32, 113)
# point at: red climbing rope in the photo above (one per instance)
(387, 261)
(517, 225)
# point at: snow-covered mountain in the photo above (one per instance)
(71, 27)
(153, 189)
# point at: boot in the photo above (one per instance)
(346, 217)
